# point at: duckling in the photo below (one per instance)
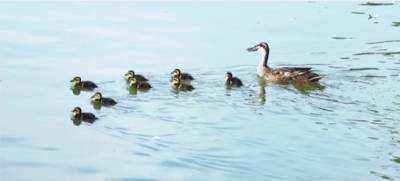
(97, 98)
(138, 77)
(181, 76)
(283, 74)
(84, 85)
(80, 116)
(232, 81)
(178, 85)
(143, 86)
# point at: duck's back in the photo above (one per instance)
(88, 85)
(293, 74)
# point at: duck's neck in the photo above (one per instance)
(264, 57)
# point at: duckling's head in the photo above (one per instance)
(76, 80)
(130, 73)
(228, 76)
(97, 96)
(77, 111)
(176, 72)
(261, 47)
(176, 81)
(132, 81)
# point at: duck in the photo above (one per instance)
(178, 85)
(180, 75)
(84, 85)
(98, 98)
(283, 74)
(133, 83)
(138, 77)
(232, 81)
(79, 116)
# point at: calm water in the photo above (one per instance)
(348, 129)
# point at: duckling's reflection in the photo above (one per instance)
(76, 90)
(132, 90)
(96, 105)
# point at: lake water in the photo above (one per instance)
(346, 129)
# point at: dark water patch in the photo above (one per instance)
(142, 154)
(149, 147)
(373, 76)
(396, 24)
(377, 53)
(175, 164)
(379, 42)
(341, 38)
(357, 12)
(381, 50)
(10, 139)
(360, 120)
(376, 4)
(344, 58)
(396, 159)
(336, 67)
(361, 69)
(373, 138)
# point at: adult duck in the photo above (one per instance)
(283, 74)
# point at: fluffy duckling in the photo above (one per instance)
(85, 85)
(232, 81)
(181, 76)
(138, 77)
(133, 83)
(82, 116)
(176, 83)
(97, 98)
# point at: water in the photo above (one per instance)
(347, 129)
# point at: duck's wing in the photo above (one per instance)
(141, 78)
(290, 74)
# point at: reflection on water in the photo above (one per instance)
(345, 127)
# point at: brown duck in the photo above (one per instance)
(283, 74)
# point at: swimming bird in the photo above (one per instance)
(138, 77)
(84, 85)
(181, 76)
(133, 83)
(178, 85)
(82, 116)
(232, 81)
(283, 74)
(98, 98)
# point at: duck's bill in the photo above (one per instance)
(252, 49)
(72, 80)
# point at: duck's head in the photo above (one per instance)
(176, 81)
(176, 72)
(76, 80)
(130, 73)
(228, 76)
(261, 47)
(97, 96)
(132, 81)
(76, 111)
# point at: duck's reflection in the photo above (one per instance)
(262, 95)
(306, 88)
